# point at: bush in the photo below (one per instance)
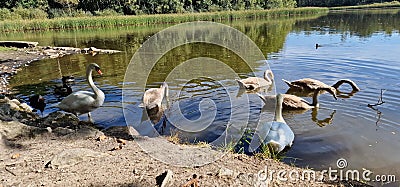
(25, 13)
(5, 14)
(106, 12)
(60, 13)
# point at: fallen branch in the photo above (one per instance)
(380, 100)
(10, 171)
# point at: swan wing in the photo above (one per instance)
(280, 135)
(254, 82)
(152, 97)
(310, 83)
(78, 102)
(294, 102)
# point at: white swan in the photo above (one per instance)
(153, 97)
(83, 102)
(279, 134)
(292, 102)
(253, 83)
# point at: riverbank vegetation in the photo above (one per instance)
(391, 4)
(28, 15)
(34, 9)
(118, 21)
(40, 9)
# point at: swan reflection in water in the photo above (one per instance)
(156, 117)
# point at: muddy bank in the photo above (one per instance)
(13, 59)
(59, 150)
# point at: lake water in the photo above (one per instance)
(363, 46)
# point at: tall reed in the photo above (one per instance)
(116, 21)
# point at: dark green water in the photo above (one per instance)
(360, 45)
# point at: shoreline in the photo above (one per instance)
(13, 59)
(60, 150)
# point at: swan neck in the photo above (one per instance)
(337, 84)
(268, 75)
(348, 81)
(278, 109)
(166, 91)
(90, 81)
(315, 98)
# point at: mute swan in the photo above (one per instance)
(82, 102)
(308, 84)
(153, 97)
(292, 102)
(253, 83)
(37, 102)
(279, 135)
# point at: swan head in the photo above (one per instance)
(95, 67)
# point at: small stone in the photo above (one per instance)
(15, 156)
(121, 141)
(165, 178)
(225, 172)
(101, 137)
(116, 148)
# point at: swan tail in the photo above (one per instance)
(262, 97)
(241, 84)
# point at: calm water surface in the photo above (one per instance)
(362, 46)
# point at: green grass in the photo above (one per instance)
(7, 48)
(118, 21)
(267, 152)
(392, 4)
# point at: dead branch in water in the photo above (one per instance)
(380, 100)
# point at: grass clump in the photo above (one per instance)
(174, 138)
(267, 152)
(7, 48)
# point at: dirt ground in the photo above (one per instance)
(87, 157)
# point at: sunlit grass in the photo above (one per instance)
(267, 152)
(7, 48)
(374, 5)
(118, 21)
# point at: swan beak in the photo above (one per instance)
(99, 71)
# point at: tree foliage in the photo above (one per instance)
(56, 8)
(59, 8)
